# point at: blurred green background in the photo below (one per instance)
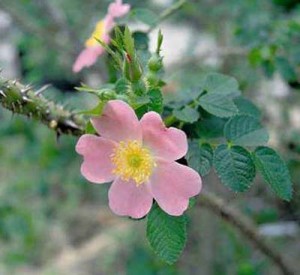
(52, 221)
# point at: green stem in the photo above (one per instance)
(167, 13)
(170, 120)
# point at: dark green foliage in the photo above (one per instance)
(166, 234)
(218, 104)
(245, 130)
(234, 167)
(246, 107)
(187, 114)
(200, 157)
(274, 171)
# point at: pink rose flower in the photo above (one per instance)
(93, 49)
(140, 158)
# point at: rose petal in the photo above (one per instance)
(96, 151)
(118, 122)
(172, 184)
(126, 199)
(87, 58)
(109, 23)
(118, 9)
(166, 143)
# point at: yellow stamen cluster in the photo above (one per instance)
(132, 161)
(98, 32)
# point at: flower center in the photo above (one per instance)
(98, 32)
(132, 161)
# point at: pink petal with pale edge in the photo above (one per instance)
(118, 9)
(87, 58)
(118, 122)
(172, 184)
(126, 199)
(96, 151)
(109, 23)
(166, 143)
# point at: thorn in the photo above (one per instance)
(72, 124)
(2, 93)
(45, 87)
(25, 98)
(26, 89)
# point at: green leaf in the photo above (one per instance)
(115, 55)
(141, 100)
(245, 130)
(129, 42)
(246, 107)
(156, 101)
(160, 39)
(117, 38)
(187, 114)
(192, 202)
(218, 104)
(96, 111)
(122, 86)
(210, 127)
(234, 167)
(153, 101)
(166, 234)
(274, 171)
(146, 16)
(200, 157)
(223, 84)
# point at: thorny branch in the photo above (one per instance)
(22, 99)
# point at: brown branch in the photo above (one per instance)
(246, 227)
